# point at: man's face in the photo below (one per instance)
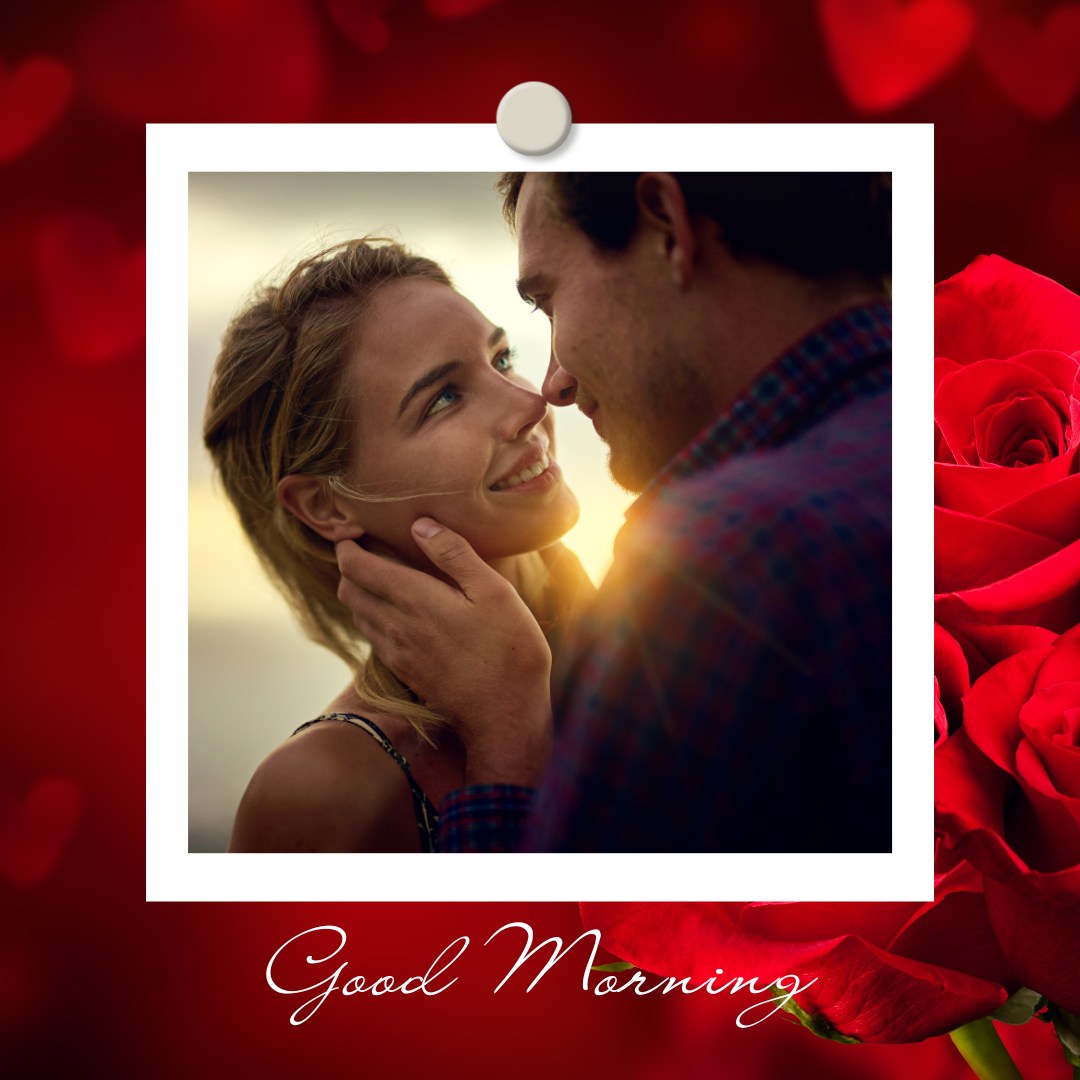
(614, 340)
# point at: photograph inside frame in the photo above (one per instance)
(702, 363)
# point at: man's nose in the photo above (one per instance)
(559, 388)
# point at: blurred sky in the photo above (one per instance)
(252, 675)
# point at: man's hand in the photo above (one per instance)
(473, 653)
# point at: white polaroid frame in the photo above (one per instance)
(172, 873)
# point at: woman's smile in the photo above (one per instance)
(531, 462)
(544, 475)
(526, 474)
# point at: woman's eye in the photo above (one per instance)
(448, 395)
(504, 362)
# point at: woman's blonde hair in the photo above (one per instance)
(280, 404)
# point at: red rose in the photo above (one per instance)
(979, 645)
(951, 681)
(1008, 799)
(1007, 453)
(886, 972)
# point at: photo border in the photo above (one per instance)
(172, 873)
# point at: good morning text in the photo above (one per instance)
(324, 945)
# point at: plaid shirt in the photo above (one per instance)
(730, 689)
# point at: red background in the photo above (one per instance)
(90, 974)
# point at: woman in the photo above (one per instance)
(360, 394)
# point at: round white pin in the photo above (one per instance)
(533, 118)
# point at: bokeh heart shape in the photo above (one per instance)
(33, 96)
(1036, 67)
(35, 830)
(93, 289)
(885, 53)
(362, 22)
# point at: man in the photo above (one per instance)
(729, 335)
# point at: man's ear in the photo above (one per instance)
(662, 207)
(312, 501)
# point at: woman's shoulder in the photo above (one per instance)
(331, 787)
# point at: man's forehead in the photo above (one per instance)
(536, 221)
(532, 201)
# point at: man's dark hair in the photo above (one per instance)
(818, 224)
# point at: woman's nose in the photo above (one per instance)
(559, 388)
(524, 412)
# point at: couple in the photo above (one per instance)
(728, 688)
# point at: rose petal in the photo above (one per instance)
(1005, 714)
(860, 989)
(1036, 921)
(1021, 432)
(810, 921)
(1049, 720)
(951, 674)
(1045, 594)
(1011, 821)
(1043, 827)
(942, 453)
(968, 789)
(994, 308)
(969, 802)
(965, 393)
(984, 644)
(955, 933)
(971, 552)
(1071, 723)
(694, 938)
(1052, 512)
(944, 366)
(978, 490)
(1061, 368)
(1063, 663)
(941, 721)
(881, 997)
(1074, 401)
(992, 706)
(1039, 828)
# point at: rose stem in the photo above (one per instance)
(982, 1048)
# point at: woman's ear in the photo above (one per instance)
(311, 500)
(662, 207)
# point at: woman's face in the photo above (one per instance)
(448, 430)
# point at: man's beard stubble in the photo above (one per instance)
(679, 410)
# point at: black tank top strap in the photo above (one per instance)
(427, 817)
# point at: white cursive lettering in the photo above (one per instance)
(431, 983)
(638, 982)
(558, 952)
(385, 984)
